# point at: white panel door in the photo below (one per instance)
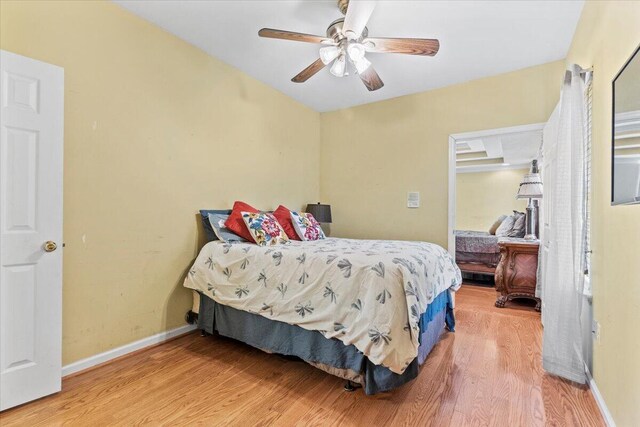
(31, 148)
(548, 171)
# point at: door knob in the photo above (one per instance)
(50, 246)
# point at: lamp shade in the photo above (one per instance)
(322, 213)
(530, 187)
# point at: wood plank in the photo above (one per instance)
(488, 372)
(308, 72)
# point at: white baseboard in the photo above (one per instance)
(97, 359)
(600, 400)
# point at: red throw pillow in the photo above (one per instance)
(283, 215)
(235, 222)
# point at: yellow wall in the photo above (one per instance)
(155, 129)
(373, 154)
(607, 34)
(482, 197)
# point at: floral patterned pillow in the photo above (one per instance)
(306, 226)
(264, 228)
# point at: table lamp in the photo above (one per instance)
(531, 188)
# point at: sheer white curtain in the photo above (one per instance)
(562, 263)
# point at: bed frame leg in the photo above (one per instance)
(351, 386)
(203, 333)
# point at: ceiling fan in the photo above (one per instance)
(348, 41)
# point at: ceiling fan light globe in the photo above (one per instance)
(339, 66)
(356, 51)
(350, 35)
(362, 65)
(328, 54)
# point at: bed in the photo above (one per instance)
(477, 251)
(367, 311)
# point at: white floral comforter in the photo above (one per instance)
(369, 293)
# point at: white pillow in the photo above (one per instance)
(306, 226)
(506, 226)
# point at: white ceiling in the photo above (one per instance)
(478, 39)
(501, 151)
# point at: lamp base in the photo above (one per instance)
(531, 221)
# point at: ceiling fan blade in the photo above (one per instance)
(358, 14)
(427, 47)
(371, 79)
(291, 35)
(308, 72)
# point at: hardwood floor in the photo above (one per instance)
(478, 375)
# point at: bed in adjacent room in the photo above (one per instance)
(477, 252)
(368, 311)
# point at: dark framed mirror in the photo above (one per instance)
(625, 150)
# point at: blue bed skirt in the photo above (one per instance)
(312, 346)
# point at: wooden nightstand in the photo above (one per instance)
(516, 273)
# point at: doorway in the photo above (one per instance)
(485, 170)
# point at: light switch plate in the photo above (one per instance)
(413, 199)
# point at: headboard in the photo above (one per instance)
(204, 216)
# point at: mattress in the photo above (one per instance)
(365, 293)
(328, 354)
(476, 242)
(477, 247)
